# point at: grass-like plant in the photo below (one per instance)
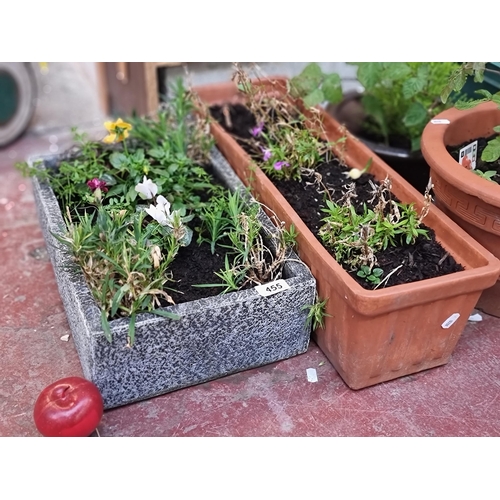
(124, 261)
(249, 259)
(316, 313)
(355, 236)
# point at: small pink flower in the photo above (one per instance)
(257, 130)
(267, 153)
(97, 184)
(279, 164)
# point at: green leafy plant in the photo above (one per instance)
(457, 78)
(314, 86)
(170, 148)
(488, 175)
(456, 81)
(399, 98)
(316, 313)
(370, 275)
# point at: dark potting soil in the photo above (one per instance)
(195, 264)
(240, 121)
(424, 259)
(480, 164)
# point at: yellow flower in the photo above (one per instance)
(117, 131)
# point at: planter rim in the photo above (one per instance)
(433, 145)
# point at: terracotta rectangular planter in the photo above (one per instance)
(215, 336)
(373, 336)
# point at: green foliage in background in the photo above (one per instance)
(456, 82)
(401, 97)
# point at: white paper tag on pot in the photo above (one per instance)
(440, 121)
(467, 156)
(451, 320)
(272, 288)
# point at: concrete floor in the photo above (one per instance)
(459, 399)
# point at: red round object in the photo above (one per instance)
(70, 407)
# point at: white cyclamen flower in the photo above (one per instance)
(147, 189)
(161, 213)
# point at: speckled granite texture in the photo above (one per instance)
(215, 336)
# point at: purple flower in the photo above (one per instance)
(97, 184)
(267, 153)
(279, 164)
(257, 130)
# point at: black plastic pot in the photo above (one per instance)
(410, 165)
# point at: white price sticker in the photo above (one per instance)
(450, 320)
(467, 156)
(440, 121)
(312, 375)
(272, 288)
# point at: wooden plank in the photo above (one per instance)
(133, 86)
(102, 87)
(152, 85)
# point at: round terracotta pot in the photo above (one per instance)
(472, 202)
(409, 164)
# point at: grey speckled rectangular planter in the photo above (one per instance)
(215, 336)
